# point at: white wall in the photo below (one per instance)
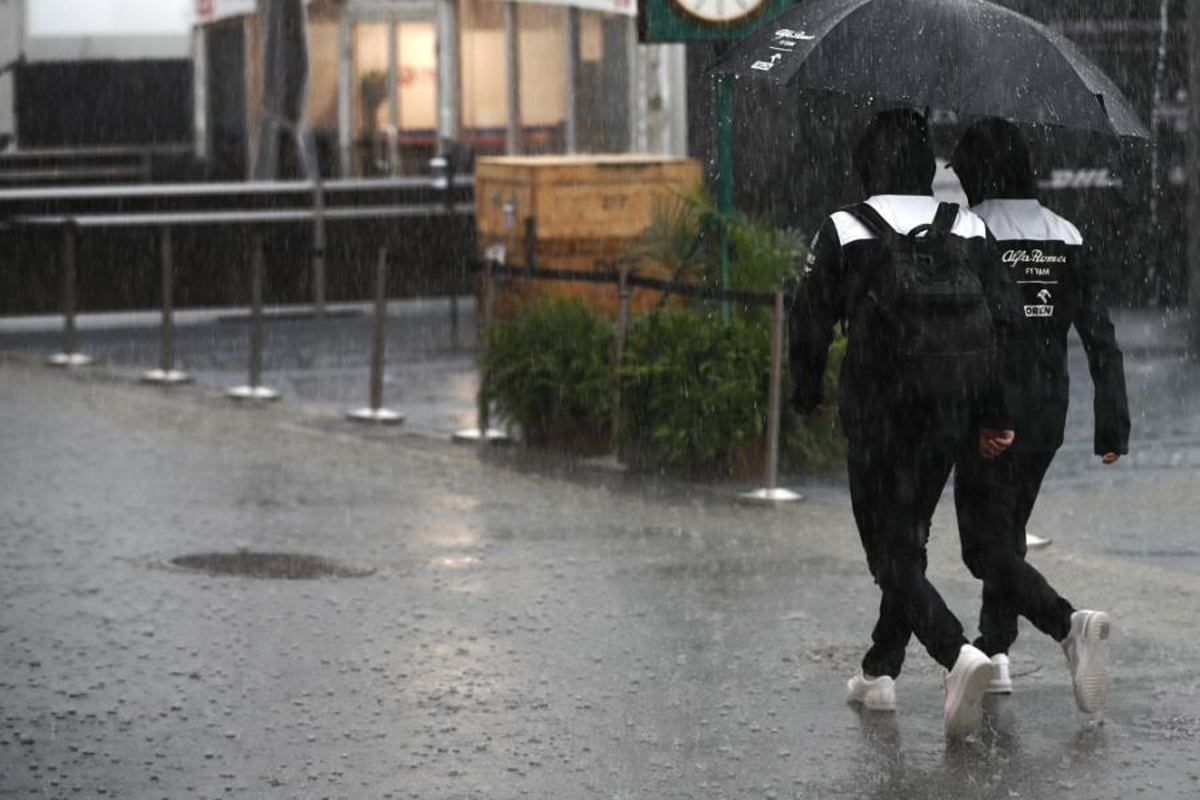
(79, 29)
(10, 48)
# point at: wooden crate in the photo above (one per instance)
(585, 210)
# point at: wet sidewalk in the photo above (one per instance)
(525, 630)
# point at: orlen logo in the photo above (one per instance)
(1081, 179)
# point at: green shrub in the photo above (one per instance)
(684, 236)
(763, 257)
(549, 370)
(693, 388)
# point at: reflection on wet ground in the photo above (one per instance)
(529, 630)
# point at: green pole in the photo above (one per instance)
(723, 111)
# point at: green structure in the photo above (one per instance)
(711, 21)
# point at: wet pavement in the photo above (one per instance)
(526, 627)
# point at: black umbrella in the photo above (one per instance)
(968, 56)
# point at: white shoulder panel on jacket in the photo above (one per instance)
(904, 212)
(1028, 220)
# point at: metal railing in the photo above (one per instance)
(57, 208)
(52, 165)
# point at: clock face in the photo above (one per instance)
(719, 12)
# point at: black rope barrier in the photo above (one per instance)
(613, 276)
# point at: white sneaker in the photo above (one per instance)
(1085, 649)
(1001, 682)
(876, 694)
(1035, 542)
(965, 687)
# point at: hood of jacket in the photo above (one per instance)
(894, 155)
(992, 162)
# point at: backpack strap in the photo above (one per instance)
(944, 219)
(871, 219)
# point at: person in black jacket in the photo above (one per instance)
(902, 442)
(994, 498)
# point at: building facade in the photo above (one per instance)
(394, 82)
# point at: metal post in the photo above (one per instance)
(375, 412)
(344, 99)
(449, 91)
(252, 390)
(772, 494)
(166, 373)
(512, 60)
(571, 132)
(318, 253)
(483, 432)
(1193, 237)
(489, 311)
(449, 156)
(393, 85)
(256, 280)
(68, 357)
(723, 112)
(623, 295)
(772, 467)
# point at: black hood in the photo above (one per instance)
(992, 161)
(895, 154)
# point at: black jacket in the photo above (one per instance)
(1058, 288)
(834, 283)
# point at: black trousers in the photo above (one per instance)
(994, 498)
(897, 474)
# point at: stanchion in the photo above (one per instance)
(69, 357)
(623, 294)
(166, 374)
(252, 390)
(318, 246)
(375, 413)
(483, 432)
(772, 494)
(441, 177)
(612, 461)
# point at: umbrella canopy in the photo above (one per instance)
(968, 56)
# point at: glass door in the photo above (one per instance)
(394, 94)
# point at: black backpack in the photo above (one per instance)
(925, 315)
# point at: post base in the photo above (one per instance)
(68, 360)
(769, 497)
(252, 393)
(377, 416)
(477, 436)
(166, 377)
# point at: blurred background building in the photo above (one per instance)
(133, 90)
(94, 91)
(392, 82)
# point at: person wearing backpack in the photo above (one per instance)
(994, 498)
(924, 305)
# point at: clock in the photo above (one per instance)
(719, 13)
(704, 20)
